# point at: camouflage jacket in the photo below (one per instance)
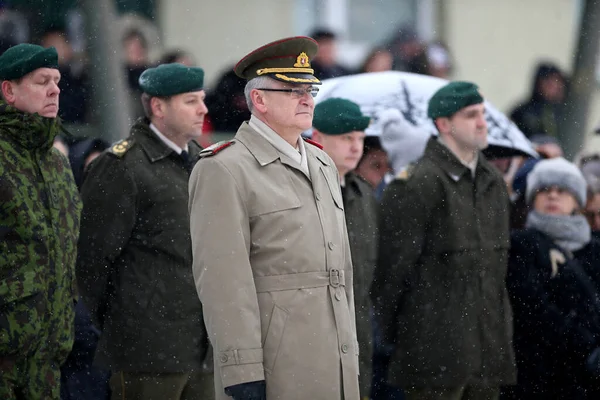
(39, 226)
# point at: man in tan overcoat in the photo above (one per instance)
(271, 257)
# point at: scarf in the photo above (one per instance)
(571, 232)
(31, 131)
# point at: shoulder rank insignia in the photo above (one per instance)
(319, 145)
(215, 148)
(121, 147)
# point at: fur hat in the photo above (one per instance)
(556, 172)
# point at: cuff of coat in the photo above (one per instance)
(241, 366)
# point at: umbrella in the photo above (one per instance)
(376, 92)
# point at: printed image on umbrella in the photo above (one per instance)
(378, 92)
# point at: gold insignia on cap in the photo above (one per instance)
(302, 61)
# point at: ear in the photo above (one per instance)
(8, 91)
(443, 125)
(317, 136)
(158, 107)
(258, 100)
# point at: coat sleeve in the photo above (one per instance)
(532, 304)
(403, 223)
(109, 213)
(220, 231)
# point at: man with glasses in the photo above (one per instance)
(271, 256)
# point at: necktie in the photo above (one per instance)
(185, 157)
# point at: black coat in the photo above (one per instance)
(439, 286)
(556, 316)
(134, 263)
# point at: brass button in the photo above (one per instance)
(330, 245)
(344, 348)
(338, 296)
(224, 358)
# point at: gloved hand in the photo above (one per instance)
(593, 362)
(248, 391)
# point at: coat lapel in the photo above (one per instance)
(263, 151)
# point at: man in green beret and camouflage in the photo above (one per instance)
(39, 226)
(271, 256)
(439, 290)
(135, 258)
(339, 126)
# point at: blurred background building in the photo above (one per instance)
(497, 44)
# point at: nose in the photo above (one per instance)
(202, 109)
(54, 89)
(553, 192)
(481, 121)
(307, 100)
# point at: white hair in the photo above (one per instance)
(256, 83)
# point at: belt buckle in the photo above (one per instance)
(334, 278)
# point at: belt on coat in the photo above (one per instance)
(301, 280)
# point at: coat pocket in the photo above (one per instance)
(22, 322)
(273, 338)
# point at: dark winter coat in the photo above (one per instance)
(537, 115)
(439, 288)
(360, 207)
(135, 257)
(556, 315)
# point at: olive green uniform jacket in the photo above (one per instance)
(439, 289)
(135, 258)
(273, 270)
(361, 218)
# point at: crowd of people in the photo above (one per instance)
(276, 266)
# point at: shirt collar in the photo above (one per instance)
(166, 140)
(471, 165)
(297, 155)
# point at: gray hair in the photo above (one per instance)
(255, 83)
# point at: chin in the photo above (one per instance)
(52, 114)
(303, 126)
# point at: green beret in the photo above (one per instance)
(287, 60)
(24, 58)
(453, 97)
(171, 79)
(337, 116)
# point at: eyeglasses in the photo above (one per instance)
(296, 92)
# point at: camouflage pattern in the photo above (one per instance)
(39, 226)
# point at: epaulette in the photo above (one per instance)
(319, 145)
(405, 172)
(215, 148)
(121, 147)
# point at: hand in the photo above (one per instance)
(593, 362)
(248, 391)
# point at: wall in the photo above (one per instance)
(219, 33)
(498, 43)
